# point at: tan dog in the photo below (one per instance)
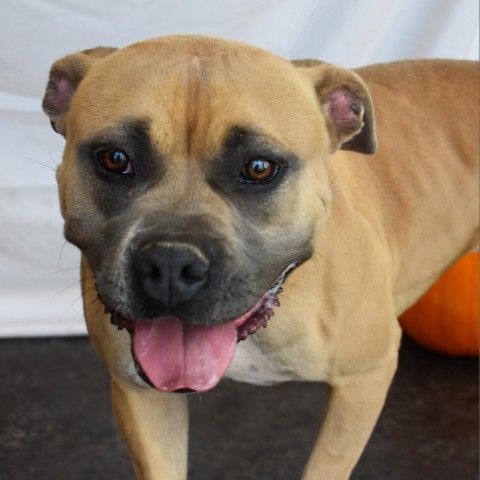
(199, 173)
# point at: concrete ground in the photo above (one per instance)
(56, 421)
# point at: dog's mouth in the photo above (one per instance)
(174, 356)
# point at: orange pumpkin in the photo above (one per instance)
(446, 318)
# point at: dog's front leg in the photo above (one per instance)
(354, 406)
(155, 426)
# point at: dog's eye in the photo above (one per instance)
(114, 160)
(259, 170)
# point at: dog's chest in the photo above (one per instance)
(251, 365)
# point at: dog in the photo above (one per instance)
(215, 189)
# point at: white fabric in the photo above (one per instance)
(39, 288)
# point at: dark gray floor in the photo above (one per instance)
(56, 422)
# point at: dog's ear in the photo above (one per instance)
(65, 76)
(347, 105)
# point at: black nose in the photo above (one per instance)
(171, 273)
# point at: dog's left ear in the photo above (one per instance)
(65, 76)
(346, 103)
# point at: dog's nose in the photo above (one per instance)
(171, 273)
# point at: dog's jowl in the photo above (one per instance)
(220, 195)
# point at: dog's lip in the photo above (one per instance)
(260, 313)
(246, 324)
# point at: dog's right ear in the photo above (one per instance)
(65, 76)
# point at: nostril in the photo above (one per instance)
(147, 268)
(194, 272)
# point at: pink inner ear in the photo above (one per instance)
(58, 97)
(344, 109)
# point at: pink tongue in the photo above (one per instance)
(175, 355)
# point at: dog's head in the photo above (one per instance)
(193, 180)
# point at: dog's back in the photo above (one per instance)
(425, 173)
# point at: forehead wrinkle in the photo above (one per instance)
(195, 78)
(204, 120)
(171, 106)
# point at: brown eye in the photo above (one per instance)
(115, 161)
(259, 170)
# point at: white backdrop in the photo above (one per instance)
(39, 289)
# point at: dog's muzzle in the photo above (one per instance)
(173, 355)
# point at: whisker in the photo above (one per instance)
(54, 161)
(64, 289)
(61, 253)
(316, 262)
(335, 178)
(38, 163)
(80, 297)
(90, 290)
(90, 304)
(324, 258)
(63, 270)
(338, 190)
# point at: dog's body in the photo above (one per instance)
(234, 181)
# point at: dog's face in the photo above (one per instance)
(193, 178)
